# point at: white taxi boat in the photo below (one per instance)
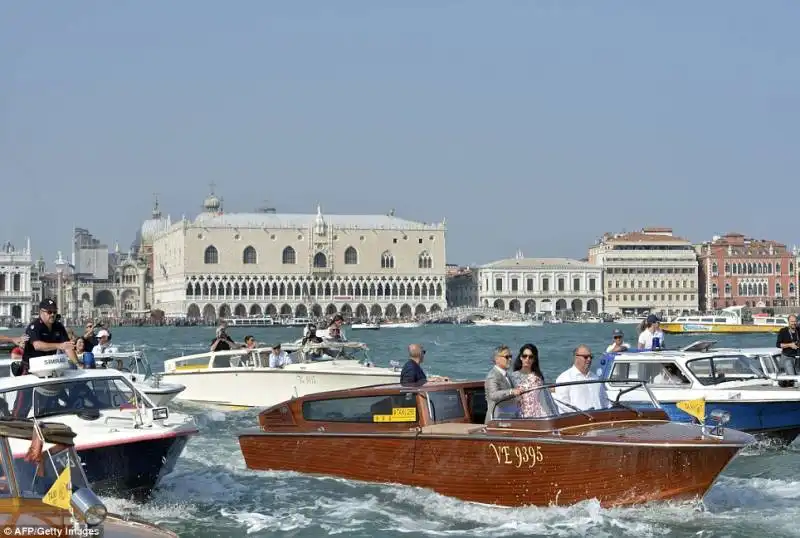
(242, 378)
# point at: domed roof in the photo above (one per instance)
(152, 226)
(211, 203)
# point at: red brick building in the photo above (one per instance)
(735, 270)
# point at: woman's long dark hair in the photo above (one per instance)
(534, 366)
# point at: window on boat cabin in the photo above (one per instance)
(364, 409)
(34, 479)
(655, 373)
(719, 320)
(445, 405)
(718, 369)
(5, 487)
(476, 405)
(67, 397)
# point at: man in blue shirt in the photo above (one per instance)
(412, 373)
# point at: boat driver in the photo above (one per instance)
(46, 336)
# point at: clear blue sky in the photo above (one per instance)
(532, 125)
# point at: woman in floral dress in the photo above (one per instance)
(526, 375)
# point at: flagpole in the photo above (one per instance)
(38, 431)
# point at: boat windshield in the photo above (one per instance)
(545, 401)
(35, 478)
(68, 397)
(722, 368)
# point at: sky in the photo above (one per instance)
(527, 125)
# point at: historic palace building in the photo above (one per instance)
(735, 270)
(531, 285)
(16, 295)
(277, 264)
(647, 271)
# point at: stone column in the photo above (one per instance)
(142, 287)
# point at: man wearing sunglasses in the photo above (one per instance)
(571, 398)
(46, 336)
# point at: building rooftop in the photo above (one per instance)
(304, 220)
(644, 238)
(539, 263)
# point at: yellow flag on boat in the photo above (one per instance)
(59, 494)
(696, 408)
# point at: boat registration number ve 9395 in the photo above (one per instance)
(399, 414)
(306, 379)
(517, 455)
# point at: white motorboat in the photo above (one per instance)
(367, 326)
(126, 443)
(507, 323)
(135, 366)
(724, 380)
(401, 325)
(242, 378)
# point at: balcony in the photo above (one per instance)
(15, 294)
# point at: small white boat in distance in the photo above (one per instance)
(135, 366)
(242, 378)
(401, 325)
(508, 323)
(371, 325)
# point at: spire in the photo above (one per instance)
(319, 223)
(519, 255)
(156, 210)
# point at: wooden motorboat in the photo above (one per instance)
(434, 437)
(44, 491)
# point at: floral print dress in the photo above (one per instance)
(529, 402)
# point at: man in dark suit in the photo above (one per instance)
(497, 385)
(412, 373)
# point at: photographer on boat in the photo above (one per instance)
(789, 342)
(222, 342)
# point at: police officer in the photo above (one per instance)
(46, 336)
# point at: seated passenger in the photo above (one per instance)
(670, 375)
(583, 397)
(278, 358)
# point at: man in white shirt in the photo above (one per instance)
(652, 336)
(583, 397)
(278, 358)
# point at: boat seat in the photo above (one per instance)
(452, 428)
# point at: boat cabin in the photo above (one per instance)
(675, 369)
(450, 407)
(259, 357)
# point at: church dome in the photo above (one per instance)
(212, 203)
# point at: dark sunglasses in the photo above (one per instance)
(509, 357)
(527, 356)
(589, 356)
(618, 336)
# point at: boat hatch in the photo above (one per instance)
(701, 346)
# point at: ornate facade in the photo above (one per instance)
(736, 271)
(647, 271)
(531, 285)
(16, 295)
(251, 264)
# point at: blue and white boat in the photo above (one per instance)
(727, 380)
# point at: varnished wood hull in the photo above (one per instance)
(501, 469)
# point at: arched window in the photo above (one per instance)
(714, 289)
(424, 260)
(387, 260)
(211, 255)
(727, 268)
(320, 260)
(714, 268)
(350, 256)
(249, 255)
(727, 289)
(289, 256)
(189, 290)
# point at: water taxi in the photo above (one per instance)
(727, 321)
(126, 443)
(242, 378)
(723, 380)
(45, 492)
(436, 436)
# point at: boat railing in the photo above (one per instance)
(547, 404)
(259, 357)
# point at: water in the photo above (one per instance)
(211, 493)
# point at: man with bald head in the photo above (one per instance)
(412, 373)
(583, 397)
